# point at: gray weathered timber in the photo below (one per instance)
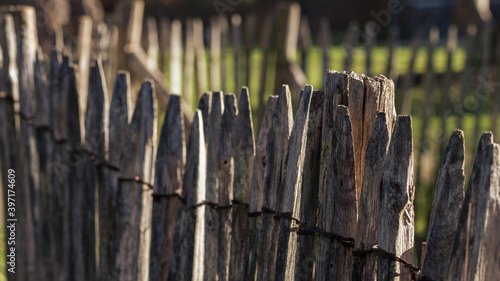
(343, 208)
(60, 196)
(448, 199)
(136, 175)
(364, 266)
(289, 197)
(182, 265)
(335, 84)
(379, 97)
(474, 246)
(169, 170)
(45, 148)
(205, 104)
(96, 143)
(276, 149)
(120, 106)
(244, 155)
(304, 261)
(147, 192)
(255, 205)
(72, 168)
(396, 203)
(212, 193)
(225, 178)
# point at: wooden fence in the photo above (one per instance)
(327, 195)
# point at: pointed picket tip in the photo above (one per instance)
(244, 148)
(367, 228)
(244, 124)
(193, 184)
(449, 196)
(171, 149)
(397, 193)
(120, 111)
(140, 135)
(213, 142)
(296, 151)
(284, 106)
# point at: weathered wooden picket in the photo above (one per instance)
(327, 195)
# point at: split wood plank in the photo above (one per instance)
(343, 198)
(133, 185)
(45, 148)
(244, 155)
(170, 160)
(465, 253)
(119, 112)
(288, 206)
(304, 261)
(396, 224)
(96, 144)
(225, 178)
(212, 193)
(183, 262)
(278, 138)
(365, 267)
(448, 199)
(256, 193)
(335, 94)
